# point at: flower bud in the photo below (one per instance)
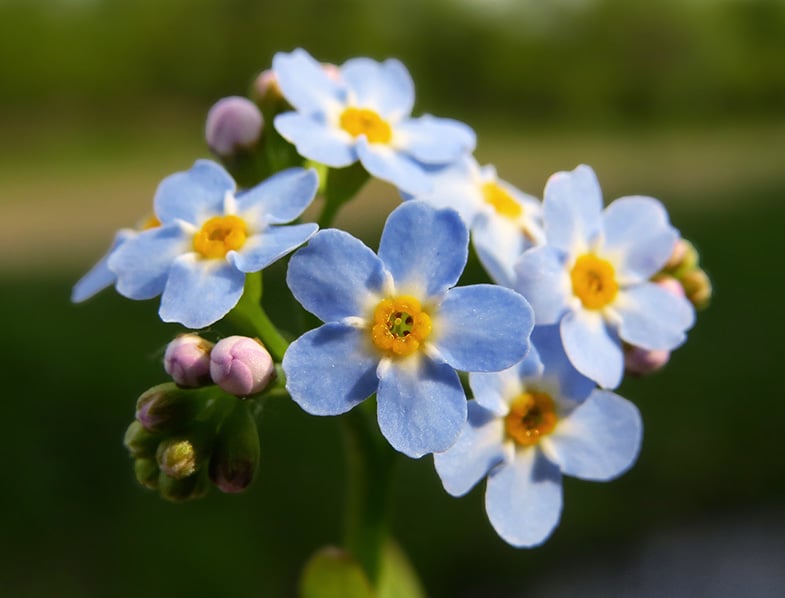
(697, 286)
(195, 486)
(642, 362)
(233, 124)
(166, 408)
(235, 455)
(684, 258)
(265, 89)
(140, 442)
(241, 366)
(177, 458)
(187, 360)
(146, 472)
(671, 285)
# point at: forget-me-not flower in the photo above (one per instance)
(503, 220)
(527, 426)
(592, 276)
(209, 239)
(396, 326)
(362, 112)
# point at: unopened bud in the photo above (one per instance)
(234, 124)
(140, 442)
(187, 360)
(167, 408)
(235, 455)
(177, 458)
(642, 362)
(265, 89)
(697, 286)
(671, 285)
(192, 487)
(684, 258)
(146, 471)
(241, 366)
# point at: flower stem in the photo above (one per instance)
(369, 464)
(249, 316)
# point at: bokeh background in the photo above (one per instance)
(683, 100)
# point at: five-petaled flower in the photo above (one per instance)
(526, 427)
(395, 326)
(208, 239)
(593, 275)
(503, 220)
(362, 112)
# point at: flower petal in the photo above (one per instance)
(384, 162)
(434, 140)
(454, 186)
(279, 199)
(478, 449)
(335, 276)
(200, 292)
(541, 277)
(483, 328)
(495, 390)
(304, 82)
(271, 245)
(387, 87)
(652, 317)
(572, 208)
(142, 263)
(592, 347)
(421, 405)
(424, 249)
(639, 237)
(599, 440)
(499, 243)
(329, 370)
(524, 499)
(572, 384)
(100, 276)
(193, 195)
(315, 139)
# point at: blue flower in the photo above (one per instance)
(362, 112)
(527, 426)
(593, 275)
(503, 220)
(395, 326)
(209, 239)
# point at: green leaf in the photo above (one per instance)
(333, 573)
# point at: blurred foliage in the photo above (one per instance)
(596, 60)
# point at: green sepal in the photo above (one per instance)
(140, 442)
(190, 488)
(333, 573)
(146, 471)
(235, 455)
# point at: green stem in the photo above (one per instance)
(250, 317)
(369, 464)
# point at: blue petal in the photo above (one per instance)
(435, 140)
(392, 166)
(335, 276)
(495, 390)
(193, 195)
(271, 245)
(639, 235)
(652, 317)
(592, 347)
(572, 384)
(100, 276)
(483, 328)
(200, 292)
(281, 198)
(572, 208)
(599, 440)
(477, 450)
(524, 499)
(386, 86)
(329, 370)
(421, 405)
(454, 186)
(316, 140)
(543, 279)
(304, 82)
(424, 249)
(142, 263)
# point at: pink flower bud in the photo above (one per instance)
(241, 366)
(233, 124)
(265, 87)
(187, 360)
(671, 285)
(642, 362)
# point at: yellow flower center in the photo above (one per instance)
(361, 121)
(219, 235)
(151, 222)
(594, 281)
(532, 415)
(400, 325)
(501, 200)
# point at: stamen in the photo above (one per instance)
(501, 200)
(594, 281)
(220, 235)
(532, 415)
(400, 326)
(361, 121)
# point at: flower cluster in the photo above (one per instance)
(577, 293)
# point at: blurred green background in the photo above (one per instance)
(100, 99)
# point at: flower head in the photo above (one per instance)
(209, 239)
(503, 220)
(396, 326)
(528, 426)
(362, 112)
(234, 124)
(593, 275)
